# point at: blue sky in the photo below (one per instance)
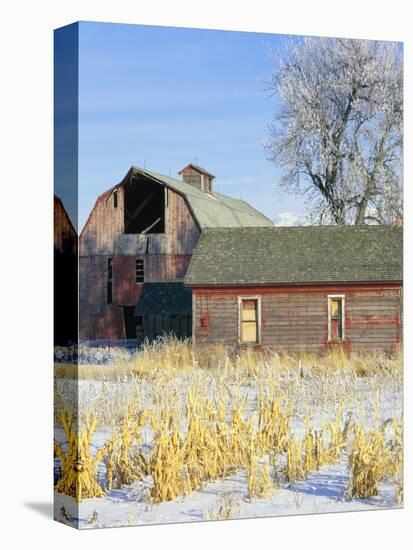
(161, 97)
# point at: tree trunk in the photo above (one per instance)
(361, 212)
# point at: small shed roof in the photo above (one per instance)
(166, 298)
(294, 255)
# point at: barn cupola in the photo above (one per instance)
(198, 177)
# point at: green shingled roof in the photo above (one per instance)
(294, 255)
(212, 210)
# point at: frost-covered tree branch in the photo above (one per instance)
(338, 133)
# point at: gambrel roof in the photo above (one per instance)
(209, 209)
(297, 255)
(212, 209)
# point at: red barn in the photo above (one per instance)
(136, 247)
(298, 288)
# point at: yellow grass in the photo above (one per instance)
(168, 355)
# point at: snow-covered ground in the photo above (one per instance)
(323, 491)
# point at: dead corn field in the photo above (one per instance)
(172, 434)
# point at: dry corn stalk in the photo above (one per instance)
(169, 479)
(369, 460)
(395, 447)
(79, 477)
(124, 458)
(258, 476)
(294, 469)
(313, 451)
(273, 425)
(274, 464)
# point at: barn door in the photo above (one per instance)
(133, 325)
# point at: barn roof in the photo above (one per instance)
(294, 255)
(211, 209)
(166, 298)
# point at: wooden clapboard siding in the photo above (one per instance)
(106, 324)
(162, 267)
(65, 237)
(93, 278)
(296, 318)
(126, 292)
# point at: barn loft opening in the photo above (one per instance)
(144, 207)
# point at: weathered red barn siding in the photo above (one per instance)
(126, 292)
(98, 320)
(104, 234)
(166, 257)
(107, 324)
(65, 237)
(295, 318)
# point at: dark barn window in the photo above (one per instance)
(336, 318)
(144, 207)
(110, 281)
(115, 199)
(139, 271)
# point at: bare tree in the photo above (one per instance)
(338, 133)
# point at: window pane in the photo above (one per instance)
(249, 310)
(336, 329)
(336, 308)
(249, 331)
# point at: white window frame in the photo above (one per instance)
(240, 300)
(331, 297)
